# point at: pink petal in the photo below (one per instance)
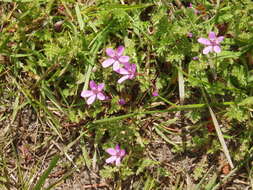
(122, 101)
(110, 52)
(91, 99)
(123, 79)
(101, 96)
(124, 59)
(212, 36)
(93, 85)
(155, 93)
(207, 49)
(117, 148)
(117, 161)
(127, 65)
(111, 159)
(131, 76)
(216, 49)
(123, 71)
(111, 151)
(122, 153)
(133, 68)
(100, 86)
(86, 93)
(116, 66)
(204, 41)
(220, 39)
(108, 62)
(120, 50)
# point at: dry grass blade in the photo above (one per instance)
(181, 85)
(221, 138)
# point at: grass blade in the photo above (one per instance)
(181, 85)
(221, 138)
(44, 176)
(79, 17)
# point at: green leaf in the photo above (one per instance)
(79, 17)
(247, 102)
(228, 54)
(44, 176)
(144, 164)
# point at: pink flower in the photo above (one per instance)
(155, 93)
(212, 44)
(116, 58)
(128, 72)
(94, 93)
(195, 58)
(190, 35)
(116, 155)
(122, 102)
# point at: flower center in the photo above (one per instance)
(118, 154)
(96, 91)
(214, 43)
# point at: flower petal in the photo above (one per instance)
(133, 68)
(86, 93)
(101, 96)
(111, 159)
(122, 152)
(220, 39)
(124, 59)
(117, 161)
(93, 85)
(120, 50)
(117, 148)
(122, 102)
(111, 151)
(123, 79)
(123, 71)
(217, 49)
(116, 66)
(91, 99)
(100, 86)
(212, 36)
(110, 52)
(204, 41)
(155, 93)
(108, 62)
(207, 49)
(127, 65)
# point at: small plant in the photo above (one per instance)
(212, 44)
(116, 155)
(170, 81)
(96, 92)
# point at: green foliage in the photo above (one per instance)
(200, 169)
(50, 50)
(44, 176)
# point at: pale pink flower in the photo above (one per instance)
(121, 101)
(96, 92)
(128, 72)
(116, 155)
(212, 44)
(190, 35)
(116, 58)
(155, 93)
(195, 58)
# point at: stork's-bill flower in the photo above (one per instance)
(96, 92)
(212, 43)
(116, 58)
(116, 155)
